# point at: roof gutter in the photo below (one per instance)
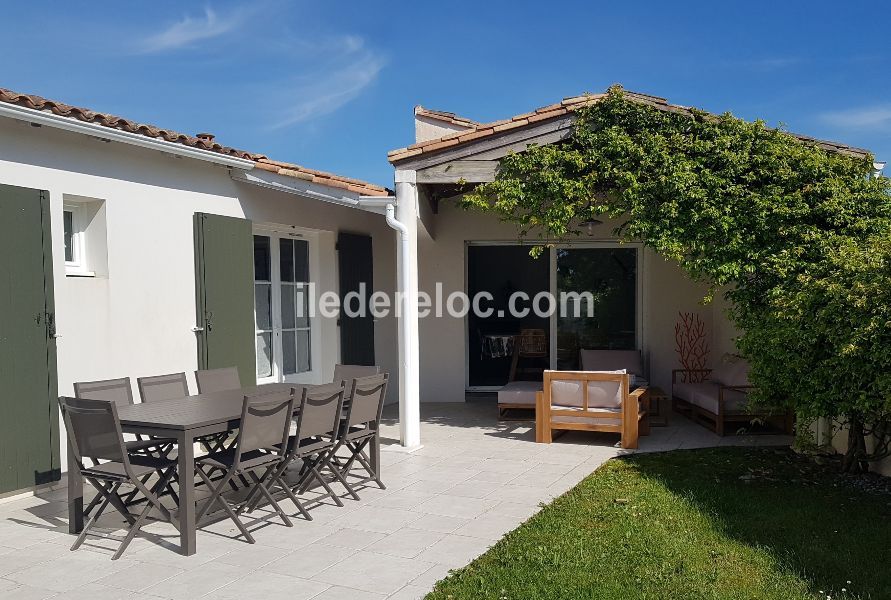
(314, 191)
(38, 117)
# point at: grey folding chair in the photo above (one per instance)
(217, 380)
(360, 429)
(163, 387)
(94, 433)
(261, 446)
(314, 439)
(174, 386)
(120, 392)
(347, 373)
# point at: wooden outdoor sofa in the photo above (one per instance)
(591, 401)
(719, 400)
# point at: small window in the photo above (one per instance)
(84, 236)
(75, 246)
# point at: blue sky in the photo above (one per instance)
(331, 85)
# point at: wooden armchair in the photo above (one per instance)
(718, 399)
(591, 401)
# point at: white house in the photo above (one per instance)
(130, 250)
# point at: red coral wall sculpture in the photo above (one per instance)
(691, 344)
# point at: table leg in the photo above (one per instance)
(186, 476)
(75, 495)
(376, 454)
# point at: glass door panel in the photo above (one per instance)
(295, 325)
(263, 306)
(609, 276)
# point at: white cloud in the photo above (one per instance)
(325, 92)
(301, 75)
(189, 30)
(867, 117)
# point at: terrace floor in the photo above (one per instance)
(474, 480)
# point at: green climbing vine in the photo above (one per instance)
(798, 236)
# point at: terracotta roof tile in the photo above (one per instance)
(445, 117)
(201, 142)
(566, 106)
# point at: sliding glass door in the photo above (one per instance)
(600, 285)
(598, 282)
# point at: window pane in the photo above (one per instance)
(302, 306)
(301, 261)
(262, 258)
(609, 275)
(264, 355)
(303, 356)
(288, 315)
(68, 218)
(289, 353)
(286, 259)
(262, 306)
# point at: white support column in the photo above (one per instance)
(407, 275)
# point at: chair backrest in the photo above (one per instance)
(611, 360)
(532, 343)
(217, 380)
(320, 410)
(163, 387)
(347, 373)
(118, 391)
(94, 429)
(366, 399)
(265, 422)
(587, 390)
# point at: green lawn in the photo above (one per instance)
(713, 523)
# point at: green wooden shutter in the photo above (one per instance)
(355, 265)
(29, 421)
(224, 270)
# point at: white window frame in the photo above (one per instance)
(276, 233)
(78, 264)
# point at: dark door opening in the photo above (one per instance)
(501, 271)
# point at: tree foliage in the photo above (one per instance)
(796, 233)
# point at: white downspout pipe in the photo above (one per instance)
(402, 216)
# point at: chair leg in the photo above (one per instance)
(327, 463)
(295, 499)
(216, 498)
(358, 454)
(311, 472)
(151, 501)
(106, 496)
(260, 483)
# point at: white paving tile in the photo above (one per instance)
(196, 582)
(378, 519)
(67, 572)
(309, 561)
(269, 586)
(373, 572)
(454, 550)
(337, 592)
(457, 506)
(406, 543)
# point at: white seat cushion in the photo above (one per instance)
(705, 396)
(519, 392)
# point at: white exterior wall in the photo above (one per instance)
(665, 291)
(137, 319)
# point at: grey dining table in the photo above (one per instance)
(183, 419)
